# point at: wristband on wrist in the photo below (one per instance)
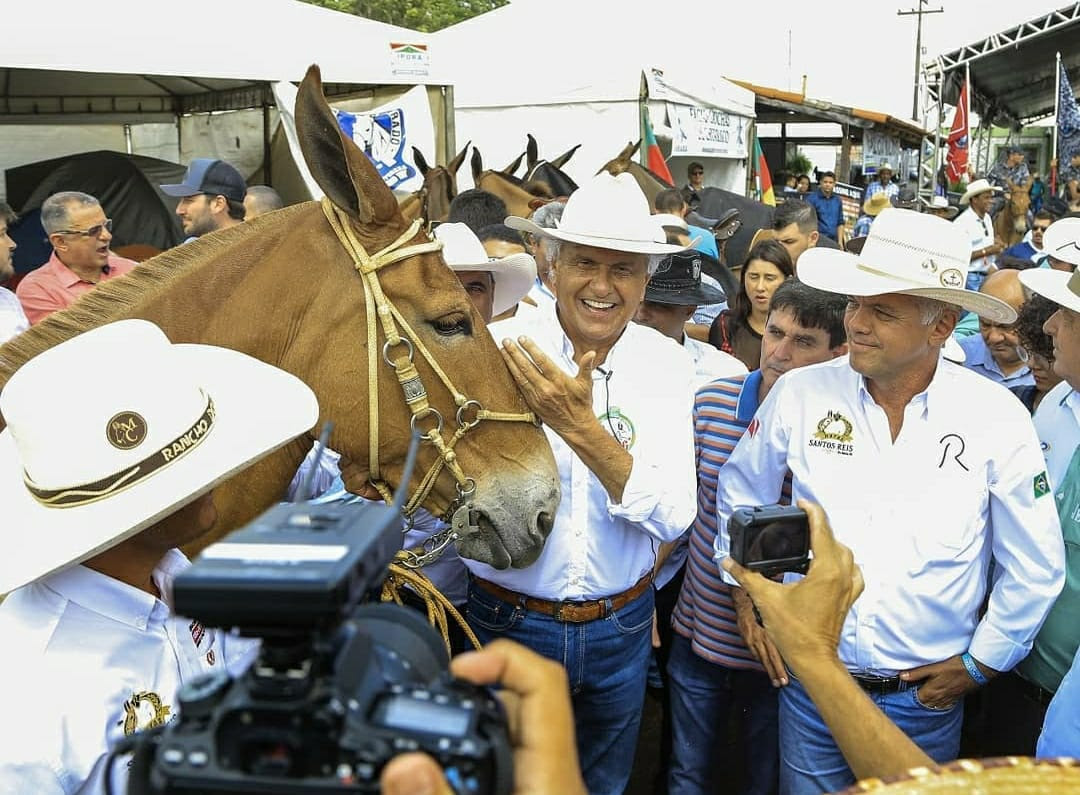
(973, 669)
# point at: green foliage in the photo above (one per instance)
(798, 163)
(423, 15)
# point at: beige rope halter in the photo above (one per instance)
(469, 412)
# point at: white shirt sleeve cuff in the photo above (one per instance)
(995, 650)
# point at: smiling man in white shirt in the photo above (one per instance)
(892, 442)
(95, 503)
(615, 398)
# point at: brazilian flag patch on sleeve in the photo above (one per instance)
(1041, 485)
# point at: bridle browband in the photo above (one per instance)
(470, 413)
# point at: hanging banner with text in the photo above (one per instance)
(708, 132)
(879, 149)
(388, 133)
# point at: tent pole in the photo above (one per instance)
(268, 168)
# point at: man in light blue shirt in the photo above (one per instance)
(995, 352)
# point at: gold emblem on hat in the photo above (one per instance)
(126, 430)
(952, 278)
(144, 711)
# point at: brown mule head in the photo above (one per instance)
(516, 480)
(510, 189)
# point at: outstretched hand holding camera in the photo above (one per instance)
(804, 620)
(535, 693)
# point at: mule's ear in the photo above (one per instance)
(510, 169)
(459, 158)
(626, 151)
(531, 153)
(634, 148)
(421, 163)
(343, 172)
(477, 164)
(560, 161)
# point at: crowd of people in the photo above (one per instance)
(913, 391)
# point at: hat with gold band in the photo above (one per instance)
(117, 428)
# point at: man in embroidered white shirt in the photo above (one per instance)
(95, 503)
(892, 443)
(615, 398)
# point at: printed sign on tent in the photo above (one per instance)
(878, 149)
(708, 132)
(388, 133)
(409, 59)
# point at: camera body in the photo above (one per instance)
(770, 539)
(341, 684)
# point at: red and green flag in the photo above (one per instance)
(761, 175)
(654, 159)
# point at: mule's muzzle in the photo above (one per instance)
(503, 540)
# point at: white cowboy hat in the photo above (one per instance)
(514, 276)
(906, 252)
(1060, 287)
(941, 203)
(1062, 240)
(606, 212)
(977, 187)
(672, 220)
(115, 429)
(885, 167)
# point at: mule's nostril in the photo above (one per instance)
(544, 522)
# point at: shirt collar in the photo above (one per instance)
(748, 403)
(106, 596)
(923, 400)
(66, 276)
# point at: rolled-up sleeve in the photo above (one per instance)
(754, 474)
(1028, 550)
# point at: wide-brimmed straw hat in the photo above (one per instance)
(115, 429)
(606, 212)
(1001, 776)
(941, 203)
(906, 252)
(1062, 240)
(876, 203)
(514, 276)
(977, 187)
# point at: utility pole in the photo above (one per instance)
(918, 12)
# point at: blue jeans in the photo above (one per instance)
(810, 762)
(703, 695)
(606, 661)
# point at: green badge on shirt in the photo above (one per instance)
(1041, 485)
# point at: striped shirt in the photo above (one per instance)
(705, 613)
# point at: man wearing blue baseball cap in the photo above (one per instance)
(211, 197)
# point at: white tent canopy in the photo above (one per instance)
(132, 61)
(572, 72)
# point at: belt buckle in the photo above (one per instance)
(557, 612)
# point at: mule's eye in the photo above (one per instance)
(454, 323)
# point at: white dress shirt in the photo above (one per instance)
(964, 480)
(12, 318)
(89, 660)
(597, 547)
(1057, 422)
(710, 362)
(980, 232)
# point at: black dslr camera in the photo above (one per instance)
(771, 539)
(339, 687)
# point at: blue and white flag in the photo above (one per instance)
(1068, 119)
(388, 133)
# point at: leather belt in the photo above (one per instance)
(570, 612)
(1040, 695)
(881, 685)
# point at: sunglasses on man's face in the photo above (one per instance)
(94, 231)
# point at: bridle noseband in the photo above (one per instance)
(460, 516)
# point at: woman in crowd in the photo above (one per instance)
(1039, 348)
(802, 185)
(738, 330)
